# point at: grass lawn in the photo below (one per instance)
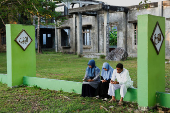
(72, 68)
(33, 99)
(64, 67)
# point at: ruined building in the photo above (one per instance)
(88, 26)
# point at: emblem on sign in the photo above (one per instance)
(23, 39)
(157, 38)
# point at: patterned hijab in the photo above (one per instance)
(90, 71)
(107, 74)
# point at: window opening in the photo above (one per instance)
(86, 36)
(65, 37)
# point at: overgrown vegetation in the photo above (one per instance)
(144, 4)
(113, 36)
(102, 56)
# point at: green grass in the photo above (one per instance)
(33, 99)
(72, 68)
(64, 67)
(3, 63)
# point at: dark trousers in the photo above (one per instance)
(102, 90)
(88, 91)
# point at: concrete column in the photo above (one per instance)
(21, 61)
(106, 32)
(79, 35)
(160, 8)
(124, 25)
(122, 32)
(97, 33)
(150, 64)
(59, 39)
(56, 39)
(74, 33)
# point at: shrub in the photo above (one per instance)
(102, 56)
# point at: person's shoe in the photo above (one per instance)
(120, 103)
(112, 100)
(97, 97)
(105, 99)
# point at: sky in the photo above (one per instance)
(125, 2)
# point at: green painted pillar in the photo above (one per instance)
(21, 56)
(151, 59)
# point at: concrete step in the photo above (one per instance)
(92, 55)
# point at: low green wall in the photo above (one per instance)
(163, 99)
(3, 78)
(70, 86)
(53, 84)
(131, 95)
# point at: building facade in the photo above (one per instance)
(96, 22)
(88, 26)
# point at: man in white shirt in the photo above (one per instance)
(123, 82)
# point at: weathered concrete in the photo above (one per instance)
(59, 39)
(97, 33)
(125, 29)
(160, 8)
(106, 32)
(101, 32)
(117, 54)
(132, 16)
(93, 55)
(73, 33)
(79, 35)
(56, 39)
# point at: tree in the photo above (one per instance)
(25, 11)
(144, 3)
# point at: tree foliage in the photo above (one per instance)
(144, 3)
(27, 11)
(23, 11)
(113, 36)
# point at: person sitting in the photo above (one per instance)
(91, 80)
(103, 87)
(123, 82)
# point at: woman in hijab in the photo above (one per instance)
(91, 80)
(106, 76)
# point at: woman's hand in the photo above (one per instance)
(90, 80)
(104, 81)
(114, 82)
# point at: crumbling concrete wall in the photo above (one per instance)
(117, 19)
(86, 20)
(125, 29)
(166, 14)
(132, 16)
(131, 20)
(90, 20)
(66, 23)
(101, 33)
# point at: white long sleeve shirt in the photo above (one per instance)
(122, 78)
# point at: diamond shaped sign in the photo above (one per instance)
(157, 38)
(23, 39)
